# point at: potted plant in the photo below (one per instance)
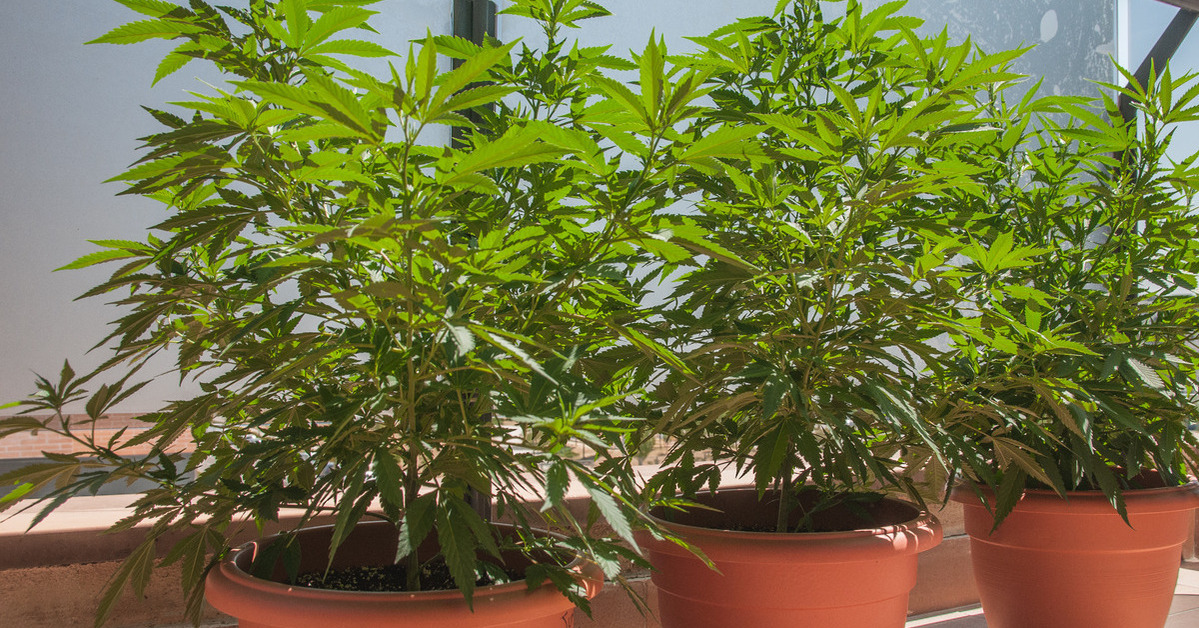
(804, 338)
(380, 328)
(1069, 391)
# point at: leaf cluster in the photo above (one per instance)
(1076, 366)
(809, 331)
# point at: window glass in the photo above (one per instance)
(1074, 40)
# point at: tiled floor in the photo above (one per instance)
(1184, 613)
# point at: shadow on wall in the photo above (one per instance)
(113, 488)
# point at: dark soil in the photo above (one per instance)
(435, 576)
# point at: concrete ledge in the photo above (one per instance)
(78, 533)
(67, 596)
(54, 575)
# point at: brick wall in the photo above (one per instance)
(31, 445)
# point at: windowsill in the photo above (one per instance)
(77, 531)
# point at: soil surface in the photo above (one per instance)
(435, 576)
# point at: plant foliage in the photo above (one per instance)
(1074, 366)
(810, 329)
(381, 326)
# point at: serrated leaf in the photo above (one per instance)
(348, 514)
(458, 550)
(652, 347)
(296, 14)
(416, 525)
(389, 480)
(99, 257)
(1135, 370)
(142, 30)
(651, 70)
(483, 534)
(474, 97)
(134, 570)
(557, 481)
(339, 103)
(16, 494)
(501, 342)
(170, 64)
(471, 69)
(516, 148)
(339, 19)
(352, 47)
(623, 95)
(610, 509)
(152, 8)
(463, 340)
(728, 141)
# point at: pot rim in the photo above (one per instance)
(1157, 499)
(923, 520)
(589, 576)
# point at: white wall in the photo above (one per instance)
(69, 119)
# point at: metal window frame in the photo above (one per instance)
(1161, 53)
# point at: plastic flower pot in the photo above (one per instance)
(855, 578)
(1075, 563)
(271, 603)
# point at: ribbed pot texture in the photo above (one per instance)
(261, 603)
(859, 578)
(1075, 563)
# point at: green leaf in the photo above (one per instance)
(143, 30)
(416, 525)
(296, 14)
(794, 127)
(497, 339)
(135, 570)
(516, 148)
(1008, 494)
(652, 347)
(727, 141)
(458, 549)
(474, 97)
(652, 67)
(425, 70)
(475, 66)
(463, 341)
(17, 493)
(339, 19)
(169, 65)
(557, 481)
(389, 480)
(99, 257)
(1135, 370)
(340, 104)
(775, 390)
(152, 8)
(352, 47)
(349, 512)
(610, 509)
(484, 535)
(623, 95)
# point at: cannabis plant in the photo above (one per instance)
(380, 326)
(1075, 368)
(807, 334)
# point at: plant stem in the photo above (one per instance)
(785, 485)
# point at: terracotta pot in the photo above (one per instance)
(854, 579)
(259, 603)
(1075, 563)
